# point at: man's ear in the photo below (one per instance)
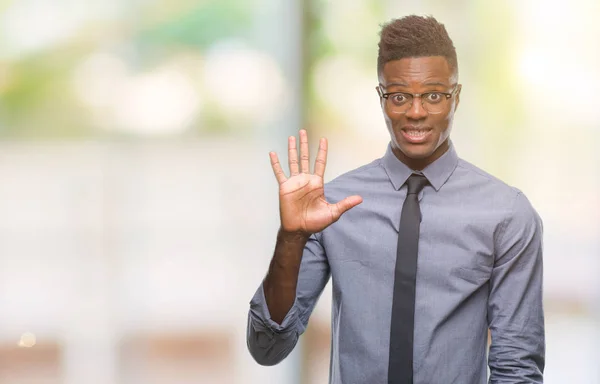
(380, 94)
(458, 96)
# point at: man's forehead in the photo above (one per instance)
(429, 70)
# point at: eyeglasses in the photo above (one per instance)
(432, 102)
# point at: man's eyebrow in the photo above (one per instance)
(396, 85)
(434, 83)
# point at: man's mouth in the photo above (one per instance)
(416, 134)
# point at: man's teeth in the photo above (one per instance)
(417, 132)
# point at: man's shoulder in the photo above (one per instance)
(510, 196)
(476, 175)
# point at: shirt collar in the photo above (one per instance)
(437, 173)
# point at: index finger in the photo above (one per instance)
(321, 160)
(277, 170)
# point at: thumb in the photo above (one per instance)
(342, 206)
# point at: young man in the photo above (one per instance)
(429, 254)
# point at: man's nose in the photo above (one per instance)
(416, 110)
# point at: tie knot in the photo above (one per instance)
(415, 183)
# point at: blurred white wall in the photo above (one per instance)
(101, 243)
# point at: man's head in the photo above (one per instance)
(416, 56)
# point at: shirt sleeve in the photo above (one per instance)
(269, 342)
(515, 311)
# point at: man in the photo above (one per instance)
(431, 252)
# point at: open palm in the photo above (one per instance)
(302, 204)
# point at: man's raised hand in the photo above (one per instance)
(302, 205)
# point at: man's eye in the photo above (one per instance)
(399, 98)
(434, 97)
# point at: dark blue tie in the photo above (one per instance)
(400, 369)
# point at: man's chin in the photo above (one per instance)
(417, 152)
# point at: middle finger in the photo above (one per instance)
(304, 155)
(293, 156)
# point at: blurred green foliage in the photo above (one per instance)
(37, 100)
(196, 26)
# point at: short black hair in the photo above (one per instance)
(415, 36)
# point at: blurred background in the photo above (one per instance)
(138, 211)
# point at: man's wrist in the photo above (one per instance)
(295, 237)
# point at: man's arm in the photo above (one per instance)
(280, 309)
(281, 281)
(299, 270)
(515, 310)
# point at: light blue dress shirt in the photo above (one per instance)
(479, 268)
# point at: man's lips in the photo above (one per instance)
(416, 134)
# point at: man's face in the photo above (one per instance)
(419, 136)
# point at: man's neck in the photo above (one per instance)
(420, 164)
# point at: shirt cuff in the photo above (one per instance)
(262, 317)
